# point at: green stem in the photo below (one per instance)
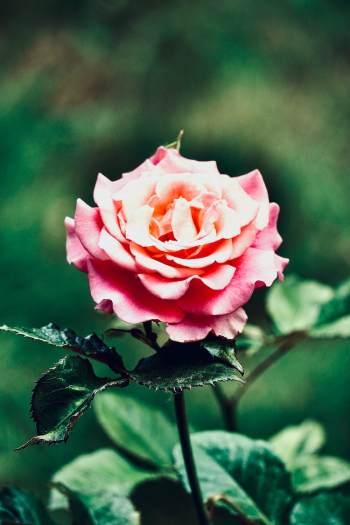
(288, 342)
(182, 425)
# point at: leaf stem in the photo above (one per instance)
(151, 336)
(288, 342)
(182, 425)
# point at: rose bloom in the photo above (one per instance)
(176, 241)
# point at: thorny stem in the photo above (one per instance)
(182, 425)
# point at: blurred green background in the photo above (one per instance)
(97, 85)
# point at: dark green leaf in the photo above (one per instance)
(297, 441)
(134, 332)
(313, 473)
(180, 366)
(138, 428)
(295, 305)
(21, 506)
(326, 508)
(224, 350)
(62, 395)
(247, 472)
(91, 346)
(103, 508)
(96, 474)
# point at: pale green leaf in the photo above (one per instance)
(138, 428)
(295, 305)
(300, 440)
(313, 473)
(102, 508)
(103, 471)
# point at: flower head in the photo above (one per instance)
(176, 241)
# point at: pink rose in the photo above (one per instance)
(176, 241)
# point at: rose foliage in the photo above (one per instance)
(176, 241)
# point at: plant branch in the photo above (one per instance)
(286, 344)
(182, 425)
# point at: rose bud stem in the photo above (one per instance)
(182, 425)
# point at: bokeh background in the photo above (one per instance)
(97, 85)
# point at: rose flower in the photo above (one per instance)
(176, 241)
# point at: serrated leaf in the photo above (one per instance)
(143, 431)
(91, 346)
(224, 350)
(98, 473)
(179, 366)
(103, 508)
(247, 472)
(295, 305)
(62, 395)
(322, 509)
(21, 506)
(297, 441)
(313, 473)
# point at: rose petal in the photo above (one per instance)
(170, 161)
(254, 265)
(254, 185)
(281, 263)
(117, 252)
(76, 253)
(135, 195)
(171, 187)
(104, 188)
(244, 240)
(146, 261)
(269, 238)
(88, 226)
(238, 200)
(216, 278)
(132, 303)
(138, 226)
(221, 253)
(195, 328)
(183, 227)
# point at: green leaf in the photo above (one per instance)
(322, 509)
(103, 508)
(91, 346)
(297, 441)
(143, 431)
(247, 472)
(96, 474)
(338, 306)
(313, 473)
(338, 328)
(21, 506)
(62, 395)
(295, 305)
(179, 366)
(224, 350)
